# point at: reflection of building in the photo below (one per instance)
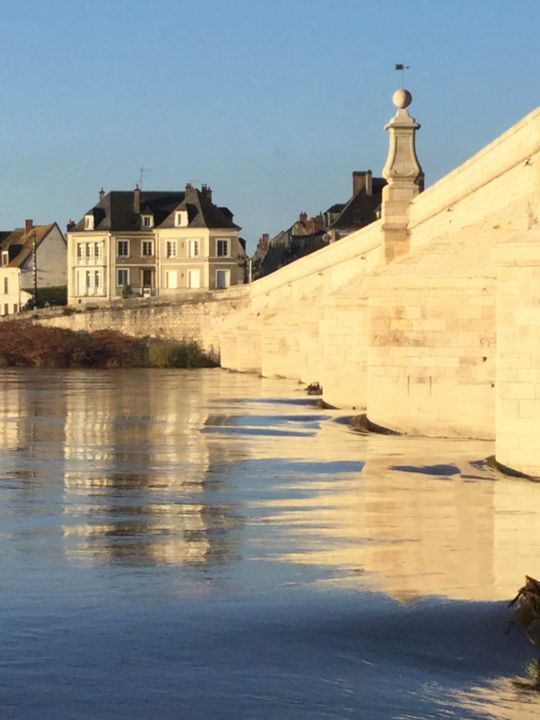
(137, 468)
(411, 534)
(153, 243)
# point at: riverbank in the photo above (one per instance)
(23, 344)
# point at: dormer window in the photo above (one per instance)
(147, 221)
(181, 218)
(88, 222)
(5, 258)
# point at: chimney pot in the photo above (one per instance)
(101, 194)
(28, 225)
(207, 191)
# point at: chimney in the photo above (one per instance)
(206, 191)
(362, 179)
(303, 217)
(70, 225)
(28, 225)
(137, 200)
(101, 194)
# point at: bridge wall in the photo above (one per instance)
(427, 342)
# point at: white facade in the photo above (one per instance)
(10, 291)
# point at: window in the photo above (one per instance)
(193, 248)
(6, 286)
(147, 248)
(147, 221)
(88, 222)
(194, 279)
(97, 250)
(88, 250)
(122, 248)
(170, 250)
(97, 279)
(222, 248)
(171, 279)
(88, 279)
(122, 277)
(80, 248)
(181, 218)
(223, 279)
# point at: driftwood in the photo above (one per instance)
(527, 612)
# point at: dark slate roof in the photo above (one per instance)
(361, 208)
(201, 212)
(116, 210)
(337, 208)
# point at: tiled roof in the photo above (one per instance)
(20, 243)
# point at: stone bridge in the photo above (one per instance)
(428, 319)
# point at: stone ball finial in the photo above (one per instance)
(402, 98)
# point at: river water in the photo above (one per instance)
(202, 544)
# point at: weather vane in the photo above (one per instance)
(402, 68)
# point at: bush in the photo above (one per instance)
(24, 344)
(174, 354)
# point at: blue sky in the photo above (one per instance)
(272, 103)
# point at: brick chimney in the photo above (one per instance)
(263, 243)
(206, 191)
(137, 200)
(28, 225)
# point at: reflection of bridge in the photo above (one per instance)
(428, 317)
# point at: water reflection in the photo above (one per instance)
(148, 485)
(166, 467)
(141, 471)
(505, 698)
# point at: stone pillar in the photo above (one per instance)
(404, 177)
(518, 353)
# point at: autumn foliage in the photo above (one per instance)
(23, 344)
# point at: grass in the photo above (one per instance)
(23, 344)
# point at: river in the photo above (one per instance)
(204, 544)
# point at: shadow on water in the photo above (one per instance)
(289, 655)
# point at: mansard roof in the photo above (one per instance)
(116, 210)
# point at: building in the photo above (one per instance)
(149, 243)
(309, 234)
(32, 259)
